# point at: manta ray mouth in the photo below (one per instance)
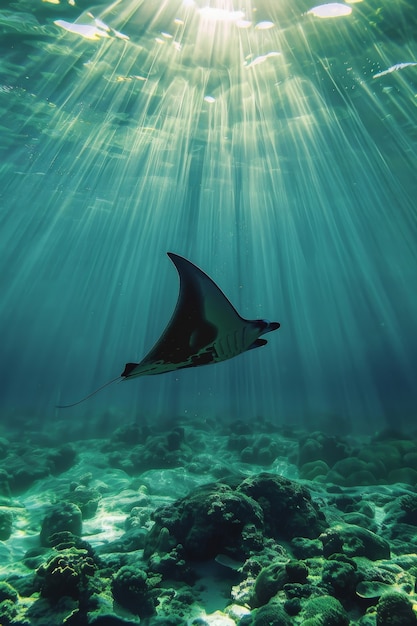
(270, 326)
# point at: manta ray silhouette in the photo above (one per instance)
(204, 328)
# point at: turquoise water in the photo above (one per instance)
(274, 148)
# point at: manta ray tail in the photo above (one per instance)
(67, 406)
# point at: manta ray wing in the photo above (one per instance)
(204, 328)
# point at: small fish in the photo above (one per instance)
(204, 328)
(229, 562)
(394, 68)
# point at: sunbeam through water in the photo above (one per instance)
(271, 144)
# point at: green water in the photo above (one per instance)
(280, 158)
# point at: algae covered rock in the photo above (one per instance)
(7, 592)
(395, 609)
(26, 464)
(352, 471)
(269, 581)
(288, 508)
(314, 470)
(404, 510)
(340, 576)
(86, 498)
(62, 458)
(272, 614)
(318, 446)
(273, 578)
(167, 450)
(149, 451)
(207, 522)
(259, 449)
(400, 522)
(8, 603)
(325, 611)
(64, 516)
(388, 458)
(219, 518)
(303, 548)
(354, 540)
(131, 589)
(5, 492)
(172, 566)
(6, 524)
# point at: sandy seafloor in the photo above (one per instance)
(259, 525)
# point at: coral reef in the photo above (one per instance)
(163, 545)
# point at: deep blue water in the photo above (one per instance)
(294, 189)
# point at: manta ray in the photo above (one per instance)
(204, 328)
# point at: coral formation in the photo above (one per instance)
(395, 609)
(132, 589)
(67, 573)
(288, 509)
(324, 611)
(64, 516)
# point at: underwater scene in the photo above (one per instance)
(208, 314)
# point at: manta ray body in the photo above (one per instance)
(204, 328)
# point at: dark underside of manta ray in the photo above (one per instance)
(204, 328)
